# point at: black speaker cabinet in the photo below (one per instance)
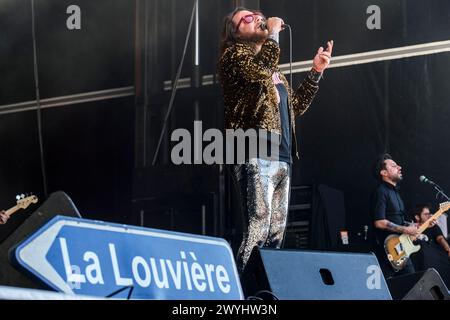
(58, 203)
(424, 285)
(313, 275)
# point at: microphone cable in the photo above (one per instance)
(290, 131)
(290, 53)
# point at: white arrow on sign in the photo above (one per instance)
(34, 255)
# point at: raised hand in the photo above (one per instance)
(323, 57)
(275, 24)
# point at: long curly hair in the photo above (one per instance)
(229, 35)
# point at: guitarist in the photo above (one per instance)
(433, 233)
(3, 217)
(388, 211)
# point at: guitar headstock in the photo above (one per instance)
(444, 206)
(23, 202)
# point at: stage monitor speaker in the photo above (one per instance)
(424, 285)
(313, 275)
(58, 203)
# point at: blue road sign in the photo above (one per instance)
(104, 259)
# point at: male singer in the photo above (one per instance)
(258, 96)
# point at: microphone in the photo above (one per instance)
(263, 25)
(426, 180)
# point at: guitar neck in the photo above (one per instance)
(426, 224)
(12, 210)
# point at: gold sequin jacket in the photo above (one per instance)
(250, 96)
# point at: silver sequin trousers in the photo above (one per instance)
(263, 188)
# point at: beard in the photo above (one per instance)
(398, 178)
(257, 37)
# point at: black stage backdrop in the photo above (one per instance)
(88, 147)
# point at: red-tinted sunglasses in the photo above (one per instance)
(249, 18)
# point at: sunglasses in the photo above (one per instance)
(249, 18)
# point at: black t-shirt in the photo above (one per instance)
(386, 203)
(432, 234)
